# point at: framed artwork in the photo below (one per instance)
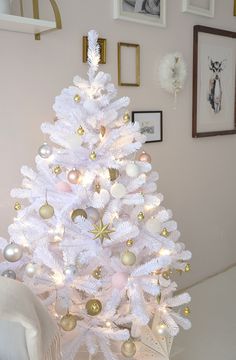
(103, 49)
(199, 7)
(148, 12)
(128, 64)
(214, 95)
(150, 124)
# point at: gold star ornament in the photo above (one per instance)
(102, 231)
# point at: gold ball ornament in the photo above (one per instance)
(165, 232)
(93, 156)
(102, 131)
(17, 206)
(80, 131)
(46, 211)
(57, 170)
(77, 98)
(187, 268)
(128, 258)
(140, 216)
(130, 242)
(114, 174)
(186, 311)
(128, 349)
(97, 273)
(145, 157)
(68, 322)
(166, 274)
(78, 212)
(126, 118)
(93, 307)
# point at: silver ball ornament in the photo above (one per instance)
(13, 252)
(128, 349)
(10, 274)
(70, 271)
(45, 151)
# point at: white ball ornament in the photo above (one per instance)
(118, 190)
(31, 269)
(153, 226)
(132, 170)
(13, 252)
(45, 151)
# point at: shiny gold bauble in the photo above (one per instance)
(128, 258)
(80, 131)
(17, 206)
(140, 216)
(78, 212)
(102, 130)
(166, 274)
(93, 156)
(97, 188)
(128, 349)
(97, 273)
(186, 311)
(165, 232)
(126, 117)
(130, 242)
(93, 307)
(57, 170)
(77, 98)
(68, 322)
(114, 174)
(187, 268)
(46, 211)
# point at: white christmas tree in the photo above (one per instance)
(95, 243)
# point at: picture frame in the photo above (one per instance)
(214, 79)
(189, 7)
(141, 11)
(234, 7)
(103, 49)
(151, 124)
(128, 64)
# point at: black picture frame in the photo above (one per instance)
(140, 116)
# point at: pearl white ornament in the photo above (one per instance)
(10, 274)
(74, 141)
(153, 226)
(118, 190)
(93, 214)
(13, 252)
(70, 271)
(31, 269)
(132, 170)
(45, 151)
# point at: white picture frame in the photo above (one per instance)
(131, 10)
(188, 7)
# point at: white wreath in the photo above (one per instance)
(172, 73)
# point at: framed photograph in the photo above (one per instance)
(150, 124)
(148, 12)
(199, 7)
(128, 64)
(103, 49)
(214, 95)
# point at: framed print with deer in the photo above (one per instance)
(214, 74)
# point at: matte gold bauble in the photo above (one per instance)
(187, 268)
(57, 170)
(186, 311)
(114, 174)
(145, 157)
(130, 242)
(97, 273)
(68, 322)
(77, 98)
(102, 131)
(93, 307)
(46, 211)
(17, 206)
(128, 258)
(140, 216)
(80, 131)
(126, 117)
(93, 156)
(78, 212)
(128, 349)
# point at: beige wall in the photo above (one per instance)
(197, 177)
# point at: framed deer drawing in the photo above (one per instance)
(214, 79)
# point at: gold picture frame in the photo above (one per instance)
(103, 49)
(137, 64)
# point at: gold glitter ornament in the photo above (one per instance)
(93, 156)
(68, 322)
(93, 307)
(165, 232)
(80, 131)
(130, 242)
(78, 212)
(140, 216)
(114, 174)
(128, 348)
(17, 206)
(186, 311)
(46, 211)
(77, 98)
(57, 170)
